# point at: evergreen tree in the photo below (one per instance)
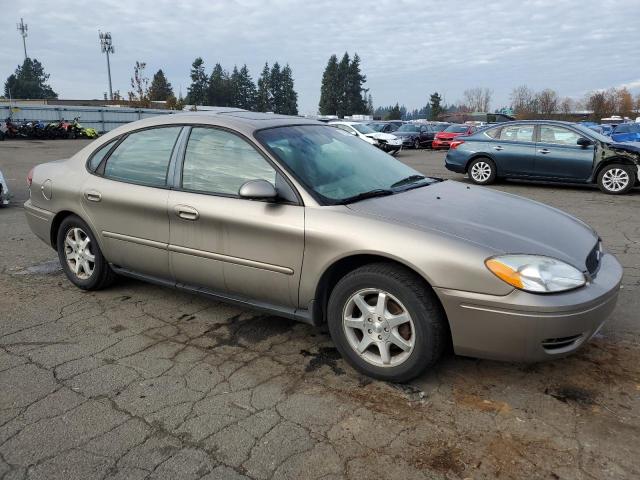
(234, 90)
(218, 88)
(263, 100)
(289, 104)
(245, 90)
(275, 88)
(395, 113)
(29, 81)
(342, 85)
(435, 104)
(329, 91)
(197, 91)
(160, 89)
(370, 107)
(354, 99)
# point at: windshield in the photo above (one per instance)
(376, 126)
(592, 134)
(332, 164)
(407, 127)
(456, 129)
(362, 128)
(440, 127)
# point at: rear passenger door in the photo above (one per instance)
(558, 154)
(514, 151)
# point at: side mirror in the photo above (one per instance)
(584, 142)
(258, 190)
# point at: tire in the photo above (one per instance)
(416, 144)
(482, 171)
(424, 334)
(616, 179)
(86, 278)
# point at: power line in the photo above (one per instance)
(22, 28)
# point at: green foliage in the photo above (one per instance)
(276, 90)
(289, 100)
(342, 91)
(263, 100)
(394, 113)
(160, 89)
(139, 92)
(435, 102)
(197, 91)
(244, 89)
(219, 88)
(29, 81)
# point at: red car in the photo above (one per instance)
(444, 138)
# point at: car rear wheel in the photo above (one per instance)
(616, 179)
(386, 322)
(482, 171)
(416, 144)
(81, 257)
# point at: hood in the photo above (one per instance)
(627, 146)
(382, 136)
(501, 222)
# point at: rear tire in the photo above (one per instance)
(401, 329)
(416, 144)
(81, 257)
(616, 179)
(482, 171)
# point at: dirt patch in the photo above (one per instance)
(442, 459)
(571, 394)
(477, 402)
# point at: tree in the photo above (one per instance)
(523, 102)
(329, 90)
(355, 102)
(29, 81)
(160, 89)
(566, 106)
(245, 90)
(625, 101)
(197, 91)
(370, 107)
(275, 88)
(546, 102)
(435, 102)
(139, 92)
(264, 101)
(478, 99)
(343, 73)
(289, 97)
(394, 113)
(601, 103)
(218, 88)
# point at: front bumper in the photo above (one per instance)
(530, 327)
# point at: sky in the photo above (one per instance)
(408, 48)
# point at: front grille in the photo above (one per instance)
(561, 342)
(593, 259)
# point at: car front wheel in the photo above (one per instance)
(386, 322)
(416, 144)
(616, 179)
(482, 171)
(81, 257)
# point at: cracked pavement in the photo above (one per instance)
(139, 381)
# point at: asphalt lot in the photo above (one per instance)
(139, 381)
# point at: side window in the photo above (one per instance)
(558, 135)
(217, 161)
(492, 132)
(143, 157)
(99, 154)
(517, 133)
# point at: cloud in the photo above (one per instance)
(408, 48)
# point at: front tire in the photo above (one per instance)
(416, 144)
(482, 171)
(81, 257)
(616, 179)
(386, 323)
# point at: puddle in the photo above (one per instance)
(45, 268)
(328, 356)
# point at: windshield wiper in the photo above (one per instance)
(378, 192)
(407, 180)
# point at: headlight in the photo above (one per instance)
(534, 273)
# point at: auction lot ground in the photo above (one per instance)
(139, 381)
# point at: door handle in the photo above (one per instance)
(93, 195)
(186, 212)
(544, 150)
(498, 148)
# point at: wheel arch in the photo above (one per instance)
(609, 161)
(477, 155)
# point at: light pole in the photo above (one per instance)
(107, 47)
(22, 28)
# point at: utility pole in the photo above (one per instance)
(22, 28)
(107, 47)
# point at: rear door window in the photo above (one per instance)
(143, 157)
(517, 133)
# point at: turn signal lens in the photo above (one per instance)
(535, 273)
(30, 177)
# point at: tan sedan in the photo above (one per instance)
(300, 219)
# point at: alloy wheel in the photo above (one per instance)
(615, 179)
(481, 171)
(77, 252)
(378, 327)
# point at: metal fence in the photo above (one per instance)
(102, 119)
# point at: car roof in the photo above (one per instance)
(552, 122)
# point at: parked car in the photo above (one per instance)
(385, 141)
(439, 126)
(398, 265)
(546, 150)
(443, 139)
(389, 126)
(4, 191)
(416, 135)
(626, 132)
